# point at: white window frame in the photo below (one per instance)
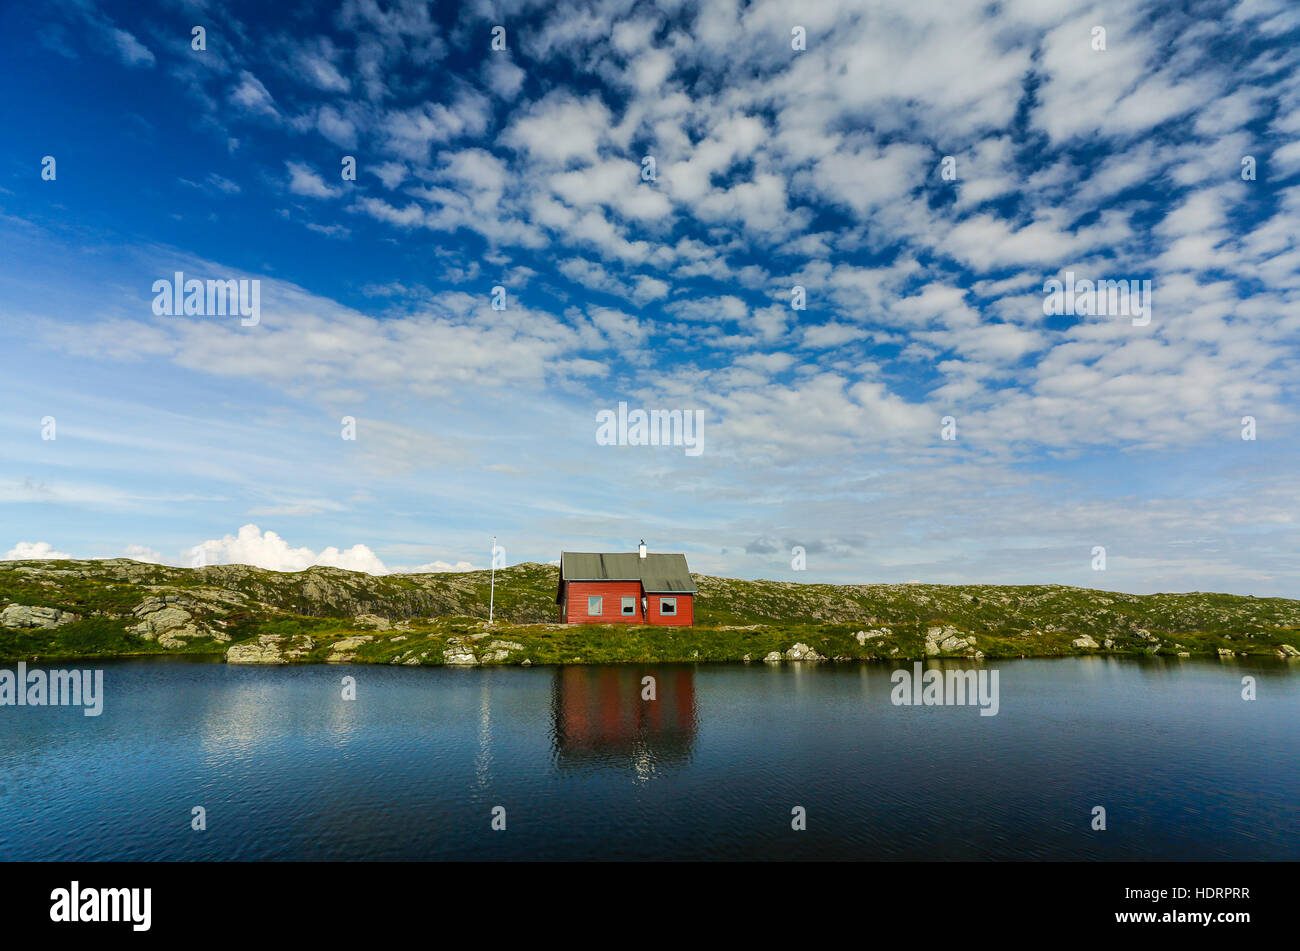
(599, 602)
(662, 612)
(628, 606)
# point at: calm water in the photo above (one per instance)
(412, 769)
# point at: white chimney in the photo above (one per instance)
(641, 551)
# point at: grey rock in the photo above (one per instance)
(802, 652)
(497, 651)
(345, 648)
(458, 654)
(270, 649)
(23, 615)
(169, 620)
(947, 640)
(864, 636)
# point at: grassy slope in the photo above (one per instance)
(734, 618)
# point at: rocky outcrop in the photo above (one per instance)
(28, 616)
(458, 654)
(949, 640)
(196, 608)
(271, 649)
(344, 649)
(803, 652)
(169, 620)
(498, 651)
(798, 652)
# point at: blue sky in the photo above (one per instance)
(521, 167)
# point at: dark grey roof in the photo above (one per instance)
(658, 574)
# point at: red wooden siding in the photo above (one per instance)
(612, 591)
(685, 610)
(574, 608)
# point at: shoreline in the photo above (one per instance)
(74, 611)
(512, 649)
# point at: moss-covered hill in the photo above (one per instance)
(60, 609)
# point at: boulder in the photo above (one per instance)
(372, 621)
(458, 654)
(947, 640)
(1286, 650)
(801, 652)
(23, 615)
(1085, 641)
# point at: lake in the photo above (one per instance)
(712, 768)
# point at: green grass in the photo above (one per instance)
(735, 618)
(92, 637)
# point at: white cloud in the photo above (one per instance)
(435, 567)
(253, 97)
(268, 550)
(132, 51)
(315, 63)
(502, 76)
(303, 180)
(32, 550)
(143, 553)
(560, 128)
(391, 174)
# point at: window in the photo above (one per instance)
(667, 605)
(629, 605)
(594, 608)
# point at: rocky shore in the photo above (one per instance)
(244, 615)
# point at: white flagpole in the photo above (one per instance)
(492, 590)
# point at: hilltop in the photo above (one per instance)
(119, 607)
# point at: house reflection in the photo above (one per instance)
(599, 717)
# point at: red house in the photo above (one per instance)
(632, 588)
